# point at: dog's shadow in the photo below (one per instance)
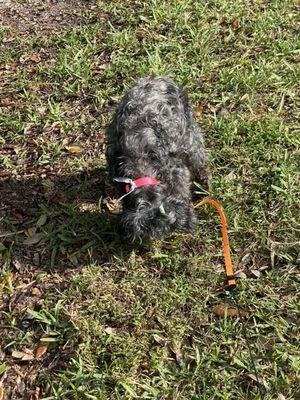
(56, 222)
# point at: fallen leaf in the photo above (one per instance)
(245, 97)
(22, 355)
(74, 149)
(256, 379)
(255, 272)
(36, 291)
(240, 274)
(113, 205)
(212, 108)
(41, 350)
(209, 78)
(198, 111)
(27, 357)
(27, 129)
(110, 331)
(158, 339)
(187, 16)
(222, 309)
(246, 259)
(42, 110)
(88, 207)
(35, 58)
(23, 58)
(235, 23)
(264, 267)
(178, 353)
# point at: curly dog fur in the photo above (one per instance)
(154, 133)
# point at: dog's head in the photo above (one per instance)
(149, 214)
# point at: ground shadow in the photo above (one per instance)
(56, 222)
(51, 226)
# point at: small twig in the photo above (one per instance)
(10, 234)
(297, 243)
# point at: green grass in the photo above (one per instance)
(135, 322)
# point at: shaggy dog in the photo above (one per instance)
(154, 147)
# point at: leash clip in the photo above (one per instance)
(130, 185)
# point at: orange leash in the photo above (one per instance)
(226, 248)
(230, 279)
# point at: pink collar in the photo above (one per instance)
(140, 182)
(131, 184)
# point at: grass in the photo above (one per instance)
(126, 322)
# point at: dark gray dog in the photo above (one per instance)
(154, 148)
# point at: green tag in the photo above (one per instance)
(161, 209)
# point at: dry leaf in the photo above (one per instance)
(22, 355)
(158, 339)
(110, 331)
(240, 274)
(187, 16)
(18, 354)
(41, 350)
(255, 272)
(23, 58)
(245, 97)
(36, 291)
(27, 357)
(212, 108)
(264, 267)
(74, 149)
(27, 129)
(1, 392)
(198, 111)
(42, 110)
(178, 353)
(209, 78)
(222, 309)
(256, 379)
(113, 205)
(88, 207)
(35, 58)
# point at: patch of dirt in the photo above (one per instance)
(31, 16)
